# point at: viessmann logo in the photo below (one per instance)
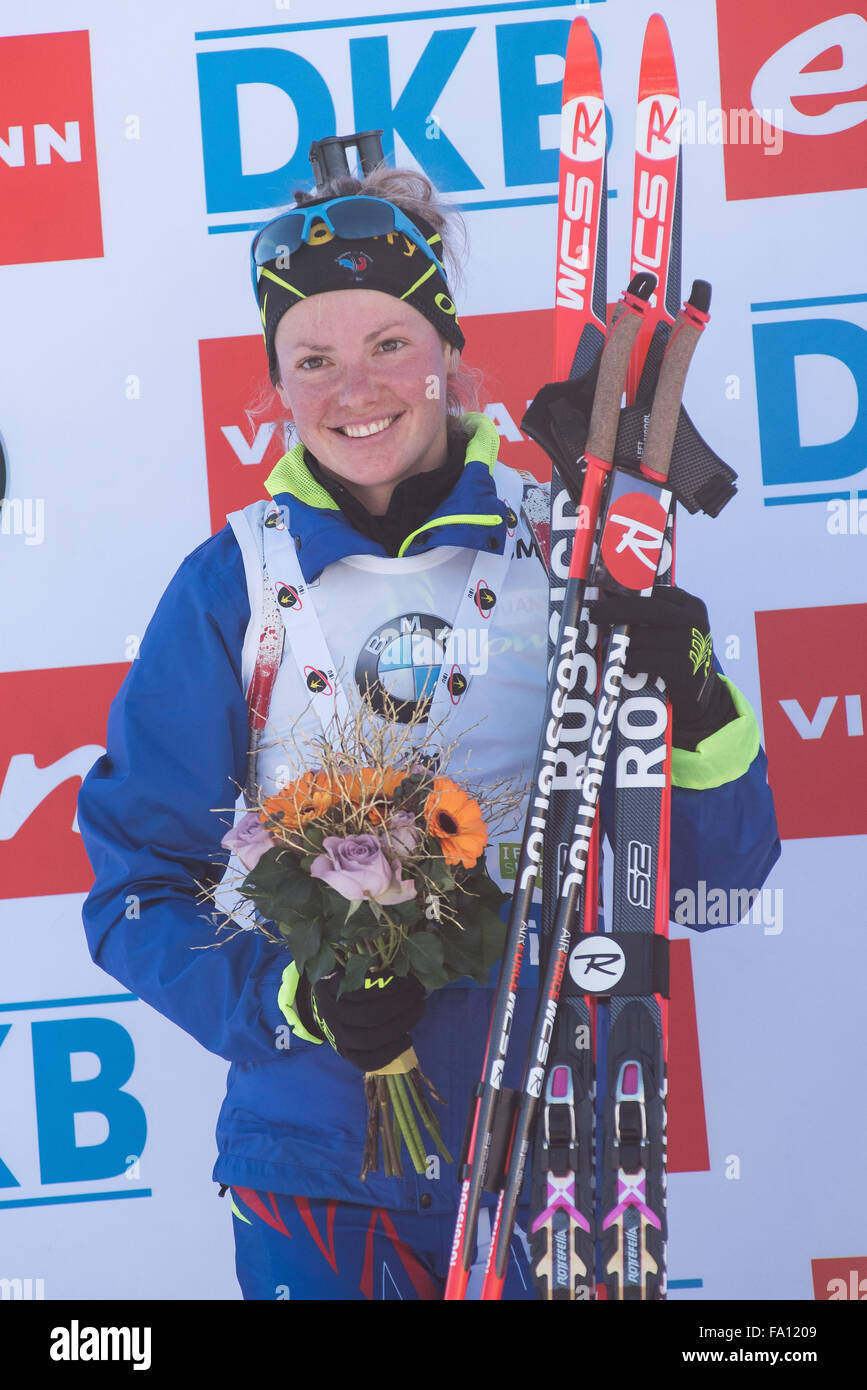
(805, 64)
(814, 717)
(48, 175)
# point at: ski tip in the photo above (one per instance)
(699, 296)
(643, 284)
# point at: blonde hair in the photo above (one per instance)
(415, 195)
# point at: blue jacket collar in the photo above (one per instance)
(472, 515)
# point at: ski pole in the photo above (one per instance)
(614, 361)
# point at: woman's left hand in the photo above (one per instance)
(670, 637)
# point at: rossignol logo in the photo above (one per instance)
(632, 540)
(582, 129)
(656, 130)
(597, 964)
(556, 760)
(642, 719)
(594, 767)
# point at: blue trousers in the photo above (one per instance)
(318, 1249)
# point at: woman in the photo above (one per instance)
(388, 504)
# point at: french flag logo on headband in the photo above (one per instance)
(357, 261)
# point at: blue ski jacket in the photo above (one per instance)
(293, 1118)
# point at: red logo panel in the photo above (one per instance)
(813, 670)
(808, 59)
(840, 1278)
(49, 184)
(244, 435)
(52, 730)
(687, 1127)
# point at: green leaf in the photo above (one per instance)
(353, 978)
(425, 950)
(493, 935)
(304, 941)
(462, 951)
(432, 979)
(408, 913)
(360, 925)
(439, 873)
(353, 908)
(321, 964)
(400, 963)
(314, 834)
(266, 876)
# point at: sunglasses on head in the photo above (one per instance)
(348, 217)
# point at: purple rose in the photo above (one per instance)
(249, 840)
(357, 867)
(404, 836)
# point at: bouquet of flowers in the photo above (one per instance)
(373, 861)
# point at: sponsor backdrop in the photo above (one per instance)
(139, 148)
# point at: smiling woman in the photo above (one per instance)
(364, 377)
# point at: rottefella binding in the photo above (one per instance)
(328, 157)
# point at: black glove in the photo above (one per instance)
(670, 637)
(369, 1026)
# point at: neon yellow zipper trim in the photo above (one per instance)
(467, 520)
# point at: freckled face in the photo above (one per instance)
(364, 376)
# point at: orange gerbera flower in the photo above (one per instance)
(301, 801)
(456, 820)
(370, 785)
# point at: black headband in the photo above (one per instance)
(391, 263)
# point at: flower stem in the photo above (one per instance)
(408, 1126)
(431, 1123)
(391, 1152)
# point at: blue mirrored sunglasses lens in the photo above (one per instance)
(281, 239)
(361, 217)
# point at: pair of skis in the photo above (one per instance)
(599, 1043)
